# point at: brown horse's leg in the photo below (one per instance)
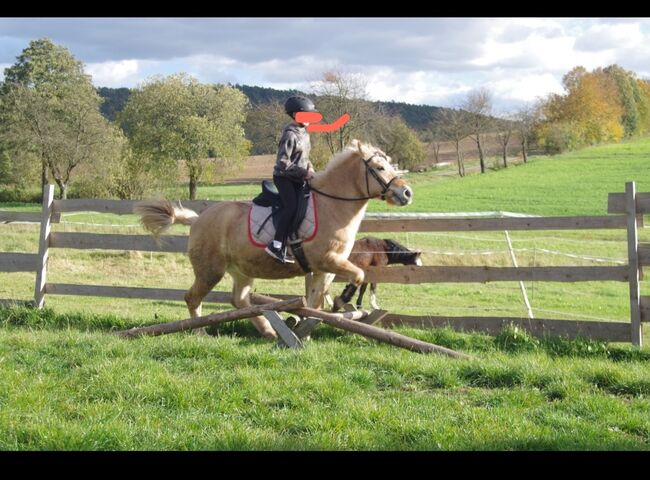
(362, 290)
(373, 296)
(241, 299)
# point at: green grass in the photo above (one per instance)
(572, 184)
(66, 384)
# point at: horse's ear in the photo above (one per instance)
(355, 144)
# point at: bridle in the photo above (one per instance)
(369, 170)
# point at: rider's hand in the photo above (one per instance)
(310, 175)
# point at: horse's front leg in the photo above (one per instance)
(339, 265)
(317, 286)
(362, 290)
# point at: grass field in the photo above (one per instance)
(66, 384)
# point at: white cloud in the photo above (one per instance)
(604, 37)
(416, 87)
(114, 74)
(432, 61)
(525, 88)
(535, 50)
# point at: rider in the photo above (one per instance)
(292, 169)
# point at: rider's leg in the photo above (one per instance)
(288, 191)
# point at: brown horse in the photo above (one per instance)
(219, 243)
(374, 252)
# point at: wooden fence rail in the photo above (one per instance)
(625, 212)
(18, 262)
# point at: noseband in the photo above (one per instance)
(369, 170)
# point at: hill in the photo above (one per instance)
(415, 116)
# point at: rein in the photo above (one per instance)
(385, 186)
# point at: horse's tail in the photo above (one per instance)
(158, 215)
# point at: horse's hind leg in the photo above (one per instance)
(241, 299)
(206, 277)
(373, 296)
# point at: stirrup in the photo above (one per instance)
(287, 258)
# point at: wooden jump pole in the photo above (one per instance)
(376, 333)
(212, 319)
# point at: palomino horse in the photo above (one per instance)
(219, 243)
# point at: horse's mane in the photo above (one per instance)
(355, 147)
(398, 253)
(341, 157)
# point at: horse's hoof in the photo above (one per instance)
(271, 335)
(201, 332)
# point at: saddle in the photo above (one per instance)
(263, 217)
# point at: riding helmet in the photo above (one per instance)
(299, 104)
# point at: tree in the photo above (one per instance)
(571, 80)
(400, 143)
(504, 128)
(454, 129)
(644, 104)
(526, 118)
(132, 177)
(478, 104)
(629, 94)
(50, 109)
(589, 113)
(178, 119)
(264, 125)
(341, 93)
(437, 137)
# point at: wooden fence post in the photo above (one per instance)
(43, 245)
(633, 261)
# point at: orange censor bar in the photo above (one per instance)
(313, 117)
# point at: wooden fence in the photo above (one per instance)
(625, 212)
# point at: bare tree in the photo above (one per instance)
(340, 93)
(437, 136)
(478, 104)
(504, 128)
(453, 127)
(526, 118)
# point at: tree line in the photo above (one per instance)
(52, 127)
(607, 104)
(416, 117)
(604, 105)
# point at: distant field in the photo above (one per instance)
(252, 169)
(66, 384)
(256, 167)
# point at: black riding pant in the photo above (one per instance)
(289, 192)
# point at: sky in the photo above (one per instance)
(430, 61)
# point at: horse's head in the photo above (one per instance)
(398, 253)
(381, 178)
